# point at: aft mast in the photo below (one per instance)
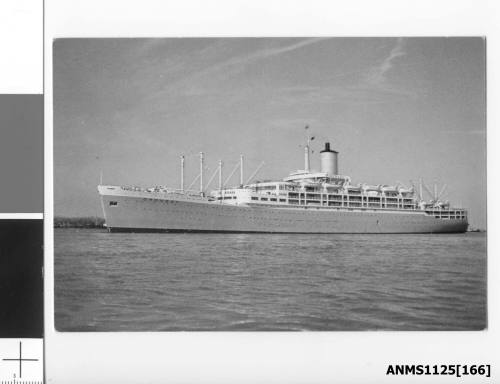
(307, 163)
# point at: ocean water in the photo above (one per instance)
(268, 282)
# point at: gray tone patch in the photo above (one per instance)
(21, 153)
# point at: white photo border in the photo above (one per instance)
(255, 357)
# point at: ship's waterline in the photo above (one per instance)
(306, 201)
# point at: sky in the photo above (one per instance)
(396, 110)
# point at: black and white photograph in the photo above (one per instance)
(269, 184)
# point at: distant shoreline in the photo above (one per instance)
(476, 230)
(79, 222)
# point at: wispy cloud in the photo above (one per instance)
(368, 85)
(192, 84)
(377, 75)
(364, 85)
(357, 94)
(241, 61)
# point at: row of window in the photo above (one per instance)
(350, 196)
(284, 187)
(269, 199)
(450, 217)
(333, 203)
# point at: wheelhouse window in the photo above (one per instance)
(113, 203)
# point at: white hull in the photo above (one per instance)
(148, 212)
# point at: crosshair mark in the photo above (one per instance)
(20, 359)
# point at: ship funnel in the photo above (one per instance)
(329, 161)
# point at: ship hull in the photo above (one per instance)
(139, 212)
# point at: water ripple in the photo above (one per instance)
(243, 282)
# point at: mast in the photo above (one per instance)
(307, 164)
(421, 192)
(306, 157)
(241, 170)
(220, 175)
(182, 173)
(201, 172)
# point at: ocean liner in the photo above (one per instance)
(306, 201)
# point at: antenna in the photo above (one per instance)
(100, 178)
